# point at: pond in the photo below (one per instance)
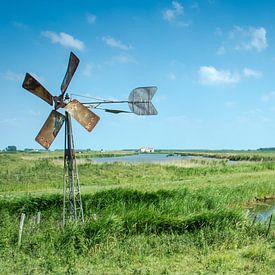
(150, 158)
(140, 158)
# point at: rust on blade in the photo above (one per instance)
(72, 66)
(33, 86)
(50, 129)
(82, 114)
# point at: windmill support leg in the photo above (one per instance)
(72, 203)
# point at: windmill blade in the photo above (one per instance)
(73, 63)
(115, 111)
(82, 114)
(33, 86)
(50, 129)
(139, 101)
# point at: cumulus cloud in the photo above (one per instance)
(258, 39)
(172, 13)
(249, 38)
(209, 75)
(252, 73)
(115, 43)
(64, 39)
(243, 39)
(91, 19)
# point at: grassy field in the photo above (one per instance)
(185, 217)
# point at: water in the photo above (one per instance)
(139, 158)
(149, 158)
(263, 211)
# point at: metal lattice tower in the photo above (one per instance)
(72, 203)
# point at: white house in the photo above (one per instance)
(147, 150)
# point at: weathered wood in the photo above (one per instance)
(21, 225)
(38, 218)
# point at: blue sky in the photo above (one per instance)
(212, 61)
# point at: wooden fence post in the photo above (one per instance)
(22, 219)
(38, 218)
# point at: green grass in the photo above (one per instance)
(150, 218)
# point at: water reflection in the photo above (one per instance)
(262, 212)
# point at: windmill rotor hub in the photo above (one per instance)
(58, 102)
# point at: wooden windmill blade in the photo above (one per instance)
(82, 115)
(50, 129)
(72, 66)
(33, 86)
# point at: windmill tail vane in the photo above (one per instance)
(139, 102)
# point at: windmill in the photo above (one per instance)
(139, 102)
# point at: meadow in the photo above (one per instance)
(186, 217)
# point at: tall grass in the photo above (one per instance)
(140, 219)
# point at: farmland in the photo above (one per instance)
(187, 216)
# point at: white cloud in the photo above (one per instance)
(87, 71)
(251, 73)
(112, 42)
(64, 39)
(91, 18)
(258, 39)
(242, 39)
(172, 14)
(12, 76)
(209, 75)
(252, 38)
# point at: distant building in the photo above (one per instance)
(147, 150)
